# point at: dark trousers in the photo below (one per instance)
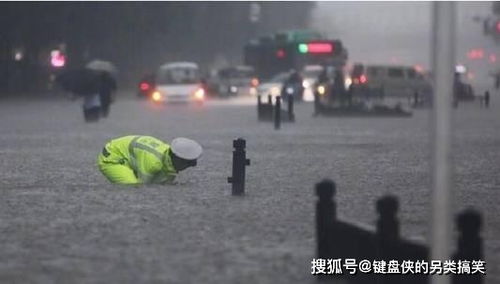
(105, 102)
(91, 114)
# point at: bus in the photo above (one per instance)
(270, 55)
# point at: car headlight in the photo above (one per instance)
(275, 91)
(199, 94)
(321, 90)
(347, 82)
(156, 96)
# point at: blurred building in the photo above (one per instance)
(137, 37)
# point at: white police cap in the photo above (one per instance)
(186, 149)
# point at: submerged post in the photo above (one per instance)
(316, 103)
(259, 107)
(443, 57)
(277, 113)
(239, 163)
(291, 115)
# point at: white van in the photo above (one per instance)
(234, 80)
(389, 82)
(178, 82)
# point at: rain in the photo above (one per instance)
(249, 142)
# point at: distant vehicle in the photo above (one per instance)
(389, 83)
(274, 86)
(236, 80)
(462, 91)
(310, 74)
(146, 86)
(292, 50)
(178, 82)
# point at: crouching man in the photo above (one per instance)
(138, 159)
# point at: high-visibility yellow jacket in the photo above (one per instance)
(147, 156)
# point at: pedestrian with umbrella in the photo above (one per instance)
(94, 84)
(107, 71)
(85, 83)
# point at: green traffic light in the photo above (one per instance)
(302, 48)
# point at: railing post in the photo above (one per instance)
(470, 244)
(325, 217)
(387, 226)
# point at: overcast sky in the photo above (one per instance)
(396, 32)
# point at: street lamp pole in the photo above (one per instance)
(443, 60)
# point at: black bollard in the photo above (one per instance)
(470, 244)
(325, 217)
(269, 100)
(316, 104)
(277, 113)
(239, 163)
(291, 115)
(259, 107)
(486, 99)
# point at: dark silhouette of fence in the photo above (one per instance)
(337, 239)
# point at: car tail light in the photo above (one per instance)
(254, 82)
(363, 79)
(144, 86)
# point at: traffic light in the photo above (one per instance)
(280, 53)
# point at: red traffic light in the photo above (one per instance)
(320, 47)
(316, 47)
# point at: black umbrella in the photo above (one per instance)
(82, 81)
